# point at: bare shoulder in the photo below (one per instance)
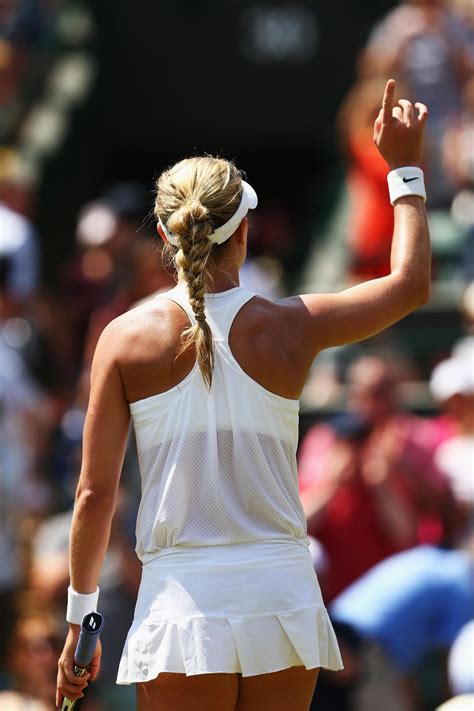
(152, 326)
(262, 310)
(279, 327)
(267, 340)
(142, 345)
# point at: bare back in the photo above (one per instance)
(264, 339)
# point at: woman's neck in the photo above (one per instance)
(221, 281)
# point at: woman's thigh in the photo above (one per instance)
(178, 692)
(280, 691)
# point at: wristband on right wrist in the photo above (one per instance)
(80, 604)
(403, 182)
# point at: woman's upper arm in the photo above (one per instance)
(107, 419)
(354, 314)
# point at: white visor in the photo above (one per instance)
(248, 202)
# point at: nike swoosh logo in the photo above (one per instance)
(408, 180)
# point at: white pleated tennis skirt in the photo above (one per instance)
(247, 608)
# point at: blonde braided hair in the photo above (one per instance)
(194, 197)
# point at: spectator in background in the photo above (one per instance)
(369, 478)
(17, 341)
(32, 325)
(85, 277)
(17, 189)
(13, 701)
(23, 434)
(463, 10)
(428, 48)
(452, 386)
(263, 275)
(32, 662)
(460, 662)
(459, 703)
(458, 160)
(370, 222)
(18, 236)
(12, 59)
(116, 265)
(464, 347)
(88, 279)
(407, 606)
(21, 20)
(146, 276)
(24, 27)
(270, 242)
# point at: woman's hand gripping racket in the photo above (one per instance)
(73, 673)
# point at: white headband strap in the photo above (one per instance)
(248, 202)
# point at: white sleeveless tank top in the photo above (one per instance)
(217, 467)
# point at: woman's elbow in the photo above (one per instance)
(89, 497)
(416, 291)
(423, 293)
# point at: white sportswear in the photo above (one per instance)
(217, 467)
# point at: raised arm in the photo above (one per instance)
(360, 312)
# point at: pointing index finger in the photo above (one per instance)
(387, 103)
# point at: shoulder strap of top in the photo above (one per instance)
(179, 294)
(221, 308)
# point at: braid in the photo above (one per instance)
(191, 260)
(194, 197)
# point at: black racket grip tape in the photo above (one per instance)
(92, 625)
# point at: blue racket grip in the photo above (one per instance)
(92, 626)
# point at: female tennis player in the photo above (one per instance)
(229, 614)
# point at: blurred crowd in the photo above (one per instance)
(388, 494)
(428, 47)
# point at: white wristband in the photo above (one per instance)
(403, 182)
(79, 604)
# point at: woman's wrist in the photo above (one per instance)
(397, 164)
(407, 181)
(80, 604)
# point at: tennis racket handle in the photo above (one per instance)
(91, 627)
(69, 705)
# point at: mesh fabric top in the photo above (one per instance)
(217, 467)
